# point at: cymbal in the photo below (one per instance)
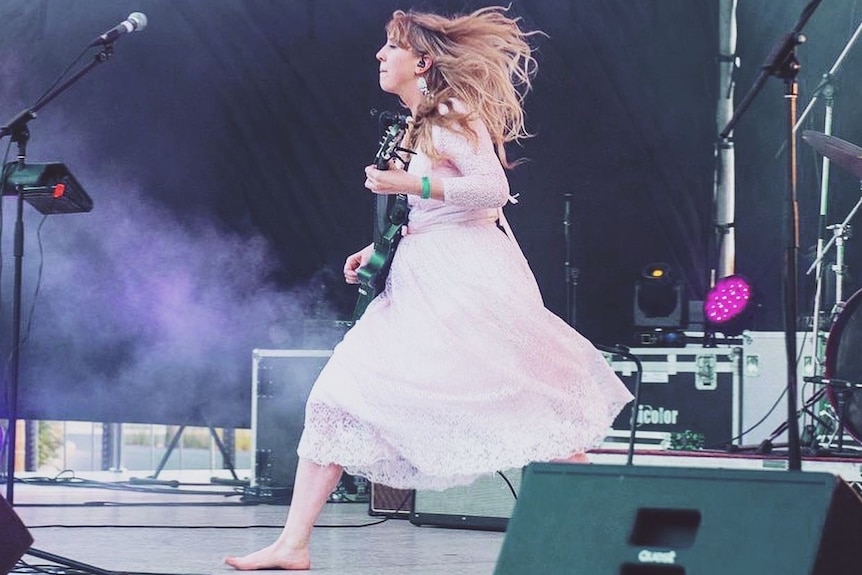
(843, 154)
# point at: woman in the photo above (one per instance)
(456, 369)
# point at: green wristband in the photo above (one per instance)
(426, 187)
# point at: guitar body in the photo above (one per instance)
(372, 276)
(390, 216)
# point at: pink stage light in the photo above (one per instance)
(728, 304)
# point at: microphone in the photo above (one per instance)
(135, 21)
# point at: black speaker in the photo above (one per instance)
(281, 381)
(625, 520)
(485, 504)
(14, 537)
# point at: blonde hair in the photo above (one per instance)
(482, 60)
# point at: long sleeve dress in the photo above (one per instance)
(457, 369)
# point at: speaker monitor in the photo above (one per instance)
(14, 537)
(624, 520)
(485, 504)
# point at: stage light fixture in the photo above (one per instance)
(659, 299)
(50, 188)
(729, 305)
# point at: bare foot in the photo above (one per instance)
(273, 557)
(579, 457)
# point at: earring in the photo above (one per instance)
(422, 84)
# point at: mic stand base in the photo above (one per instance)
(71, 563)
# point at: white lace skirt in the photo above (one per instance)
(457, 370)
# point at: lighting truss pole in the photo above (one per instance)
(724, 190)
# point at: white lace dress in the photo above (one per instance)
(457, 369)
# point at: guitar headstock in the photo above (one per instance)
(395, 126)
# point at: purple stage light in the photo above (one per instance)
(728, 301)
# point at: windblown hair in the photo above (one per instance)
(482, 61)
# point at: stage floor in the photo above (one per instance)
(189, 529)
(102, 521)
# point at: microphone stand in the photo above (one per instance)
(826, 88)
(572, 273)
(623, 351)
(19, 133)
(783, 64)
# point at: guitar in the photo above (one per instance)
(390, 216)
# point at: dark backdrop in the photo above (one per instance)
(224, 145)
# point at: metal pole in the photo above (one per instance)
(725, 170)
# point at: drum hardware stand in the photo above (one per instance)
(849, 157)
(808, 439)
(841, 389)
(840, 233)
(819, 327)
(826, 88)
(829, 95)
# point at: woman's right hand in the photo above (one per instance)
(355, 261)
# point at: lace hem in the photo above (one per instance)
(334, 436)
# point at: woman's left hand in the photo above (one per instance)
(393, 181)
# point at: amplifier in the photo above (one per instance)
(281, 382)
(390, 502)
(486, 504)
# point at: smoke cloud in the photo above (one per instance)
(143, 317)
